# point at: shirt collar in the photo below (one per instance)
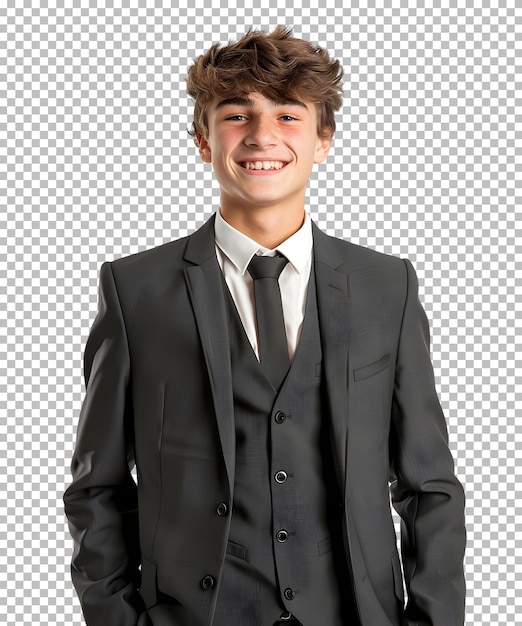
(240, 249)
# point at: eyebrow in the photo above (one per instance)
(241, 101)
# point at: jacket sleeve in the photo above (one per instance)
(101, 502)
(425, 492)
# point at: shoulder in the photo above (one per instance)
(147, 267)
(377, 278)
(354, 257)
(163, 255)
(166, 259)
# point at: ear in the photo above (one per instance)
(204, 148)
(322, 148)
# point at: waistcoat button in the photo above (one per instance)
(289, 593)
(222, 509)
(207, 583)
(282, 536)
(280, 477)
(280, 417)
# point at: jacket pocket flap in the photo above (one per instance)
(370, 370)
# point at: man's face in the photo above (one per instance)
(262, 151)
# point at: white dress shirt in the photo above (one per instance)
(234, 251)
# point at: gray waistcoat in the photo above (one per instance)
(285, 548)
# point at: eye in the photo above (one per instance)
(288, 118)
(239, 118)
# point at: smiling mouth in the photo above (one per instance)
(263, 165)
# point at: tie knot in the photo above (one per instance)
(266, 266)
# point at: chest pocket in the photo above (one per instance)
(371, 369)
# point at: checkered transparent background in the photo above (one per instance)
(96, 163)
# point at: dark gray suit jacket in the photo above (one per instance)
(159, 393)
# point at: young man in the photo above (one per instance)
(271, 384)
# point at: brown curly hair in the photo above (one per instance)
(277, 65)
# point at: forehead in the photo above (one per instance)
(256, 101)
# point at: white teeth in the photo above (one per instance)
(264, 165)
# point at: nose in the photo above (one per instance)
(261, 133)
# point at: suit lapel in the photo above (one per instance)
(333, 302)
(204, 282)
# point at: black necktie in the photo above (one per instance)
(273, 347)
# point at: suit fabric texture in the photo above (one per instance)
(159, 395)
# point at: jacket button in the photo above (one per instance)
(280, 417)
(289, 593)
(222, 509)
(282, 536)
(280, 477)
(207, 583)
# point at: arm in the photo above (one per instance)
(101, 502)
(425, 492)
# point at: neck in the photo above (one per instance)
(268, 228)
